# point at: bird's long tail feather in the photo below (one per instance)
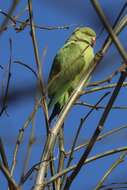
(56, 110)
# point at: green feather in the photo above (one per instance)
(70, 63)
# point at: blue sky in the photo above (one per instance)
(23, 85)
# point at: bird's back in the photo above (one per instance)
(67, 67)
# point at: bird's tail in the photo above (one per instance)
(56, 110)
(58, 103)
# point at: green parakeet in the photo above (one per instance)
(69, 64)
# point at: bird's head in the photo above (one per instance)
(85, 34)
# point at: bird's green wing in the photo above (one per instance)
(67, 65)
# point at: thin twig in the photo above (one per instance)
(28, 151)
(111, 132)
(28, 67)
(9, 17)
(21, 135)
(83, 120)
(120, 14)
(109, 171)
(32, 169)
(8, 177)
(38, 64)
(114, 37)
(5, 162)
(101, 88)
(61, 157)
(98, 107)
(26, 23)
(52, 169)
(3, 154)
(107, 79)
(10, 12)
(113, 183)
(117, 20)
(89, 160)
(4, 106)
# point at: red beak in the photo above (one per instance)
(93, 41)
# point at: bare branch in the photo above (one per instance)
(109, 105)
(78, 131)
(21, 135)
(8, 177)
(91, 159)
(61, 157)
(10, 12)
(111, 132)
(102, 88)
(41, 81)
(110, 170)
(5, 98)
(110, 30)
(28, 67)
(98, 107)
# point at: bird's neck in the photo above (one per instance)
(78, 39)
